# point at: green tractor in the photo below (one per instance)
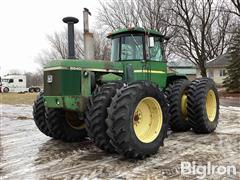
(125, 105)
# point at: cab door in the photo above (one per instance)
(156, 67)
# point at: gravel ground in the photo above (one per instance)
(27, 154)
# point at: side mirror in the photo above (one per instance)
(151, 42)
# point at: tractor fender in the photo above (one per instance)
(172, 78)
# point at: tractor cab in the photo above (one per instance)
(136, 44)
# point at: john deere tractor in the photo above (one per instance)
(125, 105)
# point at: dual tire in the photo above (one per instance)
(177, 99)
(193, 105)
(97, 114)
(130, 119)
(203, 105)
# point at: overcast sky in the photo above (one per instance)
(25, 23)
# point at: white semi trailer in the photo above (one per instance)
(16, 83)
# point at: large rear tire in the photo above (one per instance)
(177, 99)
(137, 120)
(203, 105)
(66, 125)
(39, 115)
(97, 114)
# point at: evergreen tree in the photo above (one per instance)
(232, 81)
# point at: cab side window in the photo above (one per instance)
(156, 50)
(10, 81)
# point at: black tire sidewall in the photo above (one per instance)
(96, 125)
(40, 117)
(154, 145)
(178, 122)
(61, 129)
(197, 109)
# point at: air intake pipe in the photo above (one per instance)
(71, 44)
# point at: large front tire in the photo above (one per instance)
(137, 120)
(66, 125)
(97, 114)
(203, 105)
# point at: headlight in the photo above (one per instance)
(85, 74)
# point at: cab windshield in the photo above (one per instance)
(127, 48)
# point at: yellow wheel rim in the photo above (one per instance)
(184, 105)
(73, 120)
(211, 105)
(147, 120)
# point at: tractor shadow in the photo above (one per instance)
(52, 150)
(56, 150)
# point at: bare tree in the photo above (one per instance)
(152, 14)
(202, 31)
(116, 14)
(59, 47)
(34, 79)
(198, 29)
(59, 44)
(236, 7)
(45, 56)
(101, 46)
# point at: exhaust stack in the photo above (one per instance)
(71, 44)
(88, 37)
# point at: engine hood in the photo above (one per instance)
(86, 65)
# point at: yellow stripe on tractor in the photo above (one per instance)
(149, 71)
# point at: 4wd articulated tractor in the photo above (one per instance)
(125, 105)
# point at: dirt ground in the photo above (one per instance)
(25, 153)
(15, 98)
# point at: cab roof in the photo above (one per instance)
(135, 30)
